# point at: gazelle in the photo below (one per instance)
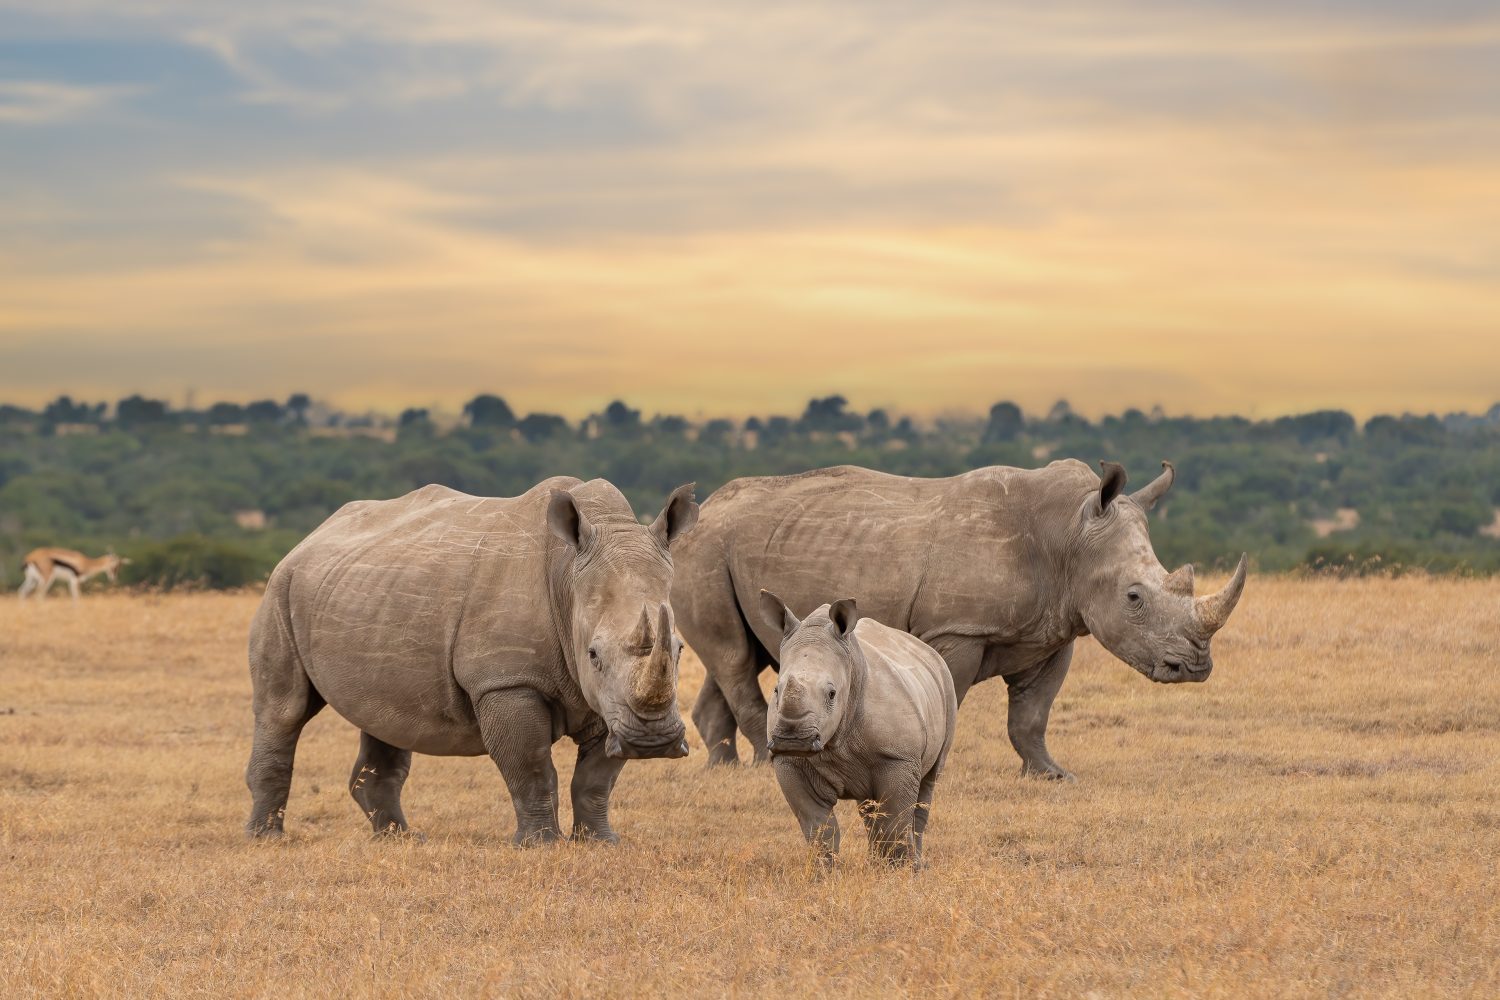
(45, 567)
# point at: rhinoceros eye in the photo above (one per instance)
(594, 658)
(1133, 596)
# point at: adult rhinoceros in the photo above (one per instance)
(449, 624)
(998, 569)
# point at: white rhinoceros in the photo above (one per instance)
(448, 624)
(998, 569)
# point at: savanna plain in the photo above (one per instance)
(1321, 818)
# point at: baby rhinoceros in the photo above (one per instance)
(864, 712)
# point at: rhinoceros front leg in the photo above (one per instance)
(813, 807)
(1031, 696)
(516, 725)
(593, 782)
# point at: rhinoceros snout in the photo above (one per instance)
(794, 746)
(1179, 671)
(672, 744)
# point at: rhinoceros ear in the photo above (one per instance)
(677, 517)
(1111, 483)
(566, 520)
(844, 616)
(778, 614)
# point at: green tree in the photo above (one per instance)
(486, 410)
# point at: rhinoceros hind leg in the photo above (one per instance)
(516, 725)
(713, 623)
(922, 812)
(269, 774)
(1031, 696)
(741, 688)
(715, 721)
(375, 783)
(593, 782)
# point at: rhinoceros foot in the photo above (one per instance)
(536, 838)
(400, 834)
(266, 829)
(723, 754)
(1047, 772)
(588, 835)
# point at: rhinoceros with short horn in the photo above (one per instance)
(998, 569)
(448, 624)
(861, 712)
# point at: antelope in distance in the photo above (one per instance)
(44, 567)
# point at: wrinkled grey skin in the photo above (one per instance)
(446, 624)
(999, 570)
(861, 712)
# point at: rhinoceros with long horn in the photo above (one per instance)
(998, 569)
(448, 624)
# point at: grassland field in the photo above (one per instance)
(1320, 819)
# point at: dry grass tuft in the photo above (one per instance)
(1322, 818)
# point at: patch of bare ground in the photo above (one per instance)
(1321, 818)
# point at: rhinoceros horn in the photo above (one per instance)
(652, 685)
(1148, 495)
(1213, 611)
(1180, 580)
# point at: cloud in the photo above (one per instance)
(35, 102)
(1231, 205)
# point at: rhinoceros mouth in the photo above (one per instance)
(625, 743)
(794, 746)
(1174, 671)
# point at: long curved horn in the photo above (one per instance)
(654, 682)
(1153, 491)
(1213, 611)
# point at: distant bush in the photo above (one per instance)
(1312, 492)
(196, 561)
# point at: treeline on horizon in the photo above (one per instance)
(216, 496)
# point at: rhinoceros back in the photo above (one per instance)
(393, 606)
(928, 556)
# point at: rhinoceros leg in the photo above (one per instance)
(516, 725)
(741, 686)
(593, 782)
(964, 657)
(278, 724)
(891, 818)
(923, 811)
(715, 721)
(1031, 696)
(813, 808)
(714, 625)
(379, 772)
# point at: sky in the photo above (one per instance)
(1221, 206)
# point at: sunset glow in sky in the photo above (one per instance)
(1227, 206)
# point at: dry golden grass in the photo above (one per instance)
(1321, 818)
